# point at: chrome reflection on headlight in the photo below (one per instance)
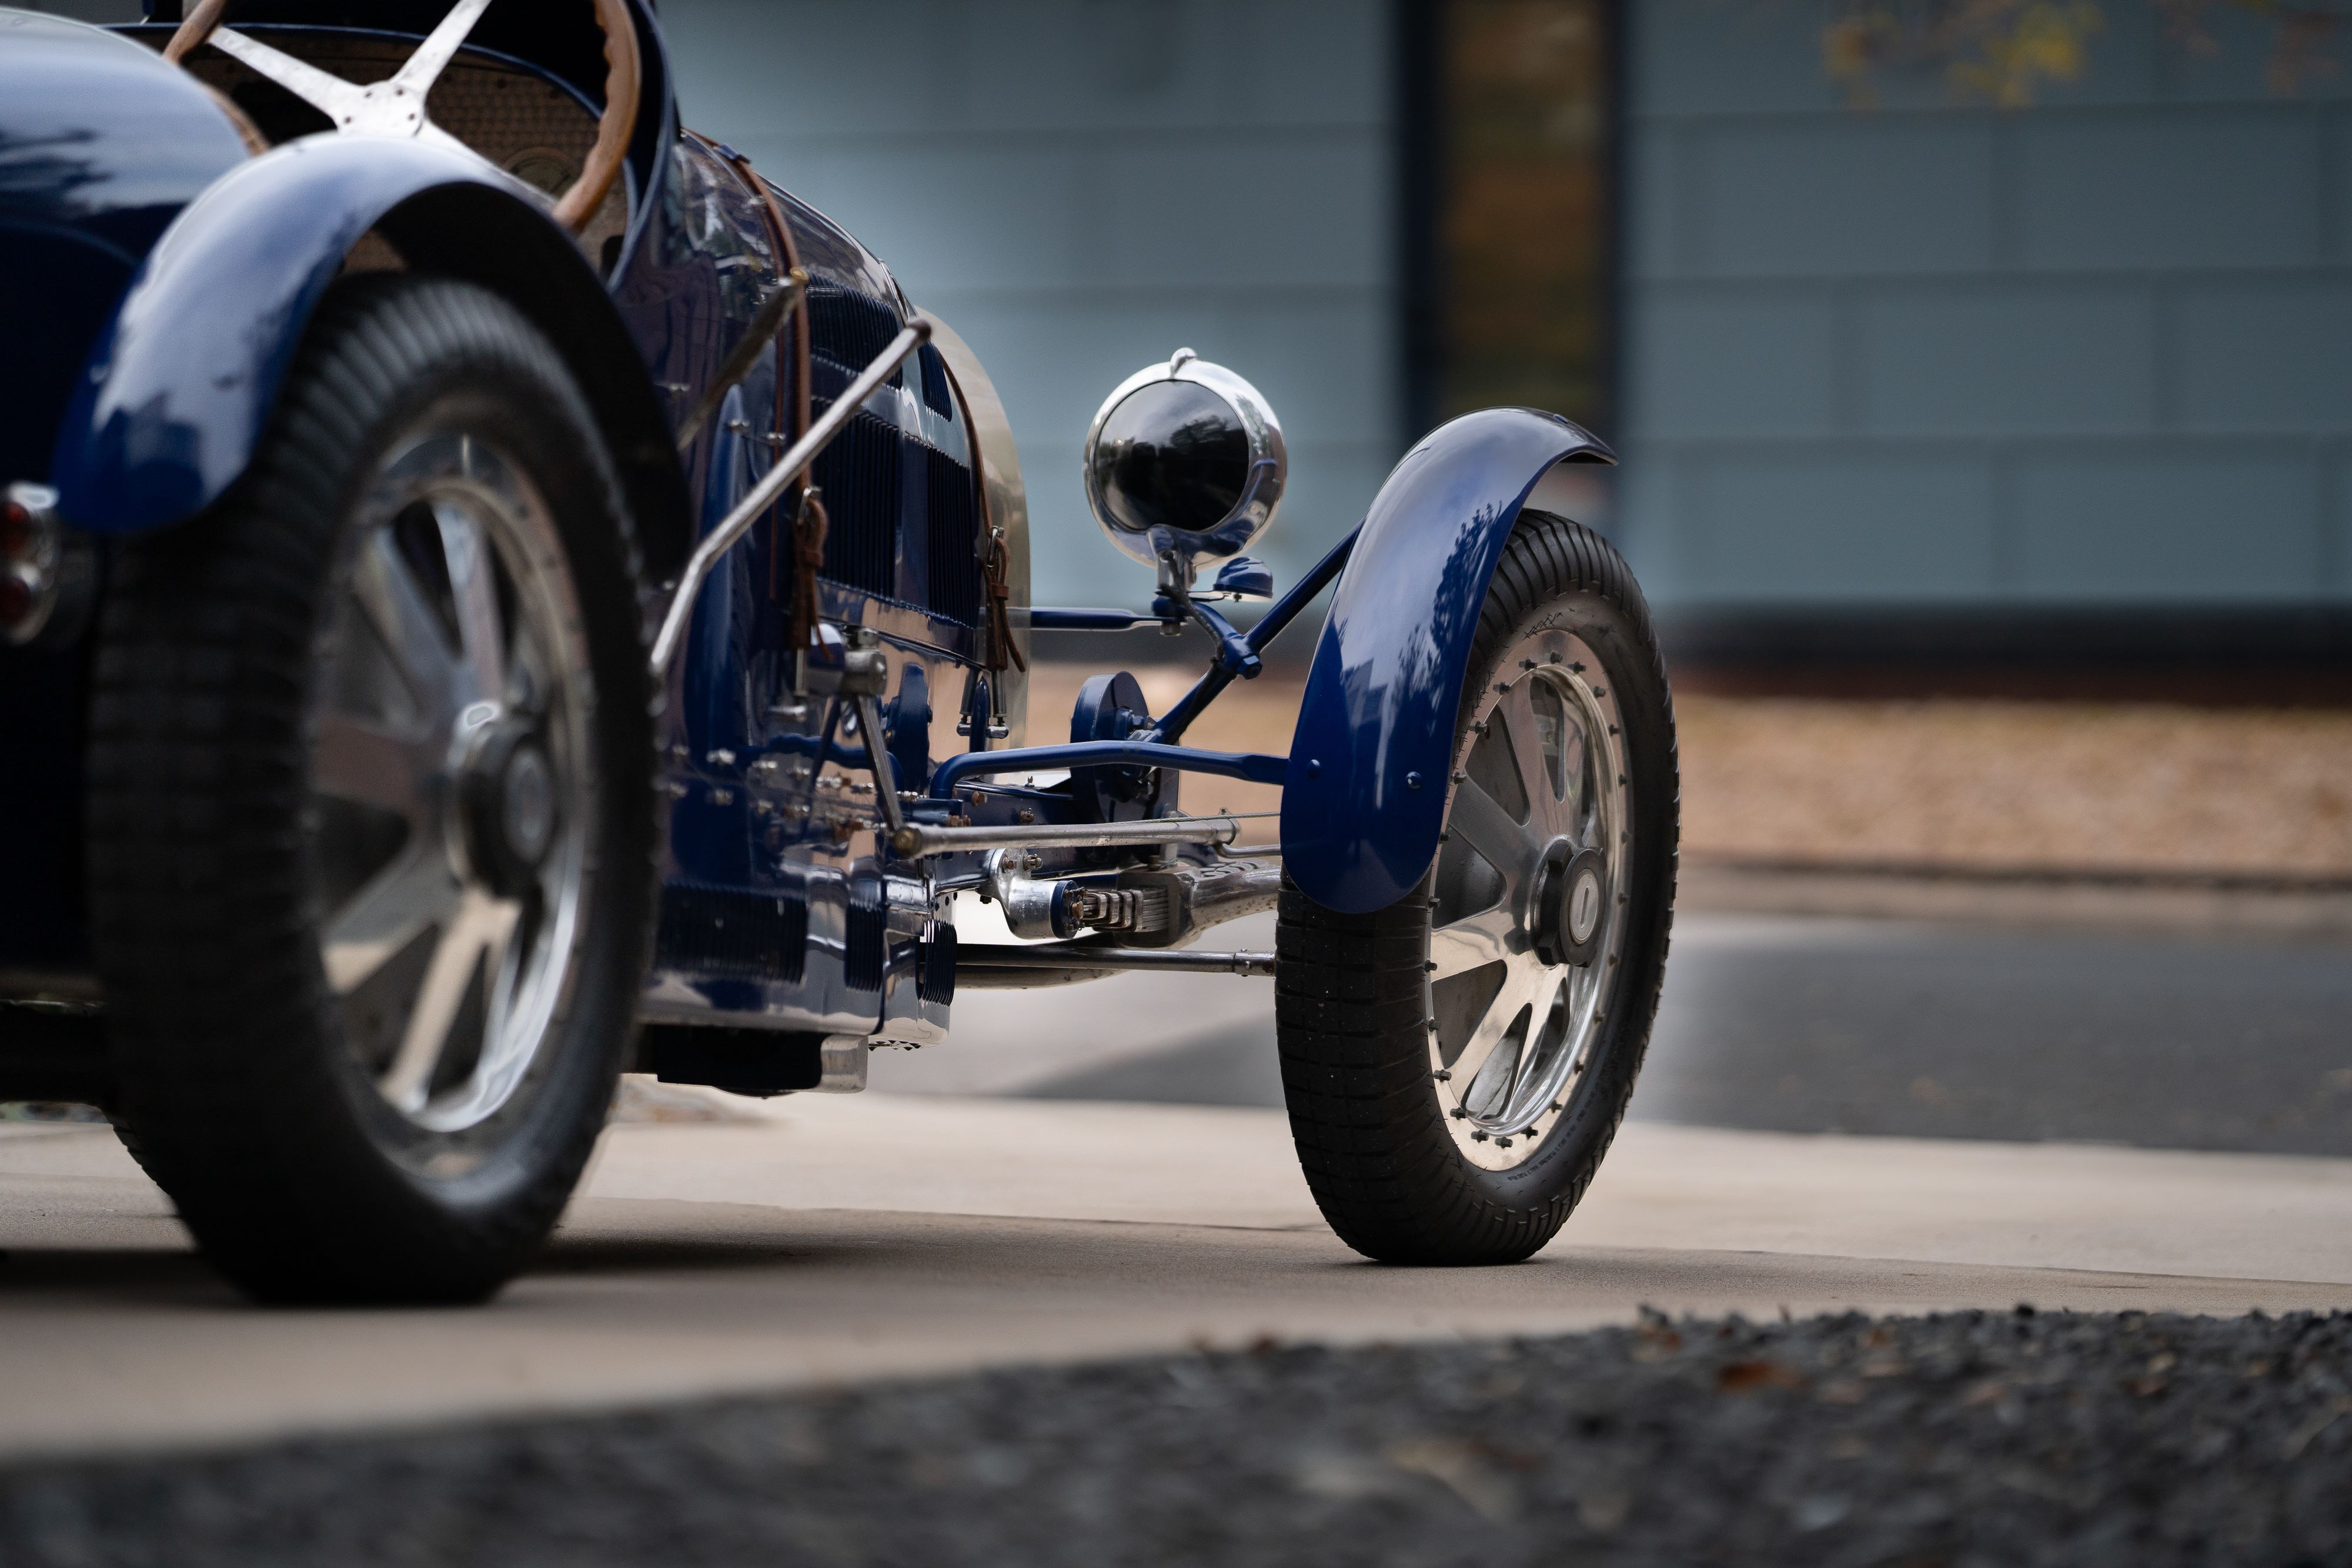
(1184, 460)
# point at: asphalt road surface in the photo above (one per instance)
(2111, 1441)
(2163, 1038)
(815, 1266)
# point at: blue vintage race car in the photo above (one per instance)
(495, 594)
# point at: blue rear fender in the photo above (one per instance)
(1365, 796)
(180, 386)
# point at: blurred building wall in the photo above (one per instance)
(1082, 186)
(2093, 352)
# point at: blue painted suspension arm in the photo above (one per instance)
(1270, 625)
(1052, 619)
(1256, 767)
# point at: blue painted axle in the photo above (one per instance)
(1256, 767)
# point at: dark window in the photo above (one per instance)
(1508, 151)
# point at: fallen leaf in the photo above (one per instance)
(1747, 1376)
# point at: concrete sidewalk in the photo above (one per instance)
(824, 1241)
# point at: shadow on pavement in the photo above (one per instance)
(2156, 1039)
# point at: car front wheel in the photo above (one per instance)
(1456, 1064)
(370, 828)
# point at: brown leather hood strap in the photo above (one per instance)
(809, 521)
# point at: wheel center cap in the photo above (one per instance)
(528, 819)
(510, 807)
(1571, 894)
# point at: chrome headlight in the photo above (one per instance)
(1184, 460)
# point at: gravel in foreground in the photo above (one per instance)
(1971, 1438)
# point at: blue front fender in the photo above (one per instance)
(180, 385)
(1365, 799)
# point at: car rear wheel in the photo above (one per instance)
(1456, 1064)
(371, 819)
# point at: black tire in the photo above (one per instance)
(215, 842)
(1361, 1028)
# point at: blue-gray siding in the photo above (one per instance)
(1081, 187)
(2097, 351)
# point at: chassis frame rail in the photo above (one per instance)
(1082, 956)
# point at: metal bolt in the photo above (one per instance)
(1478, 1137)
(1502, 1142)
(1443, 1076)
(1413, 780)
(1458, 1114)
(1601, 690)
(1527, 664)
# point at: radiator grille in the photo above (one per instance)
(849, 328)
(952, 533)
(739, 935)
(859, 473)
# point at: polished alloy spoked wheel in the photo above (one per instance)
(452, 854)
(1526, 903)
(1455, 1064)
(372, 823)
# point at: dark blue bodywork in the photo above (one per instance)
(1366, 795)
(160, 278)
(157, 277)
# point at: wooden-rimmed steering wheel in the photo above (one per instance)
(394, 108)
